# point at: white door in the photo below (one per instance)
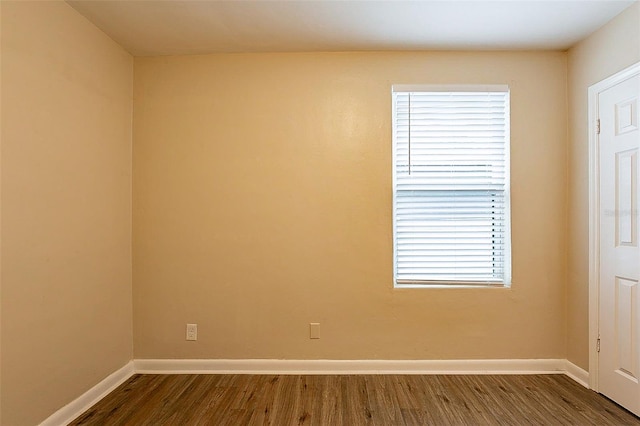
(619, 188)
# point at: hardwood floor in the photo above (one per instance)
(354, 400)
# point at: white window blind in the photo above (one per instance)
(451, 186)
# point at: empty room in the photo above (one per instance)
(319, 212)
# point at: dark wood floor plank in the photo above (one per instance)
(385, 408)
(330, 411)
(439, 402)
(202, 395)
(356, 407)
(465, 406)
(262, 414)
(310, 394)
(353, 400)
(500, 393)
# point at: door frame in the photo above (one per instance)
(594, 215)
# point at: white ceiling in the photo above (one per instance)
(188, 27)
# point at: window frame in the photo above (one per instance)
(506, 281)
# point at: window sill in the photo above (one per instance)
(453, 286)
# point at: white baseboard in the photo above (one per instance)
(576, 373)
(325, 366)
(71, 411)
(321, 366)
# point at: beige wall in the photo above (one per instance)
(611, 49)
(0, 213)
(66, 208)
(262, 202)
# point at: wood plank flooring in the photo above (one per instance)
(354, 400)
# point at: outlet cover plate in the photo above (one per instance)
(314, 330)
(192, 331)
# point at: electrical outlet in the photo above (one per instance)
(314, 330)
(192, 331)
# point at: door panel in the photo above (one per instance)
(619, 143)
(626, 170)
(626, 318)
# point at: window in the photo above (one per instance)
(451, 209)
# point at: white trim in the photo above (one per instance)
(399, 88)
(594, 207)
(576, 373)
(326, 366)
(75, 408)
